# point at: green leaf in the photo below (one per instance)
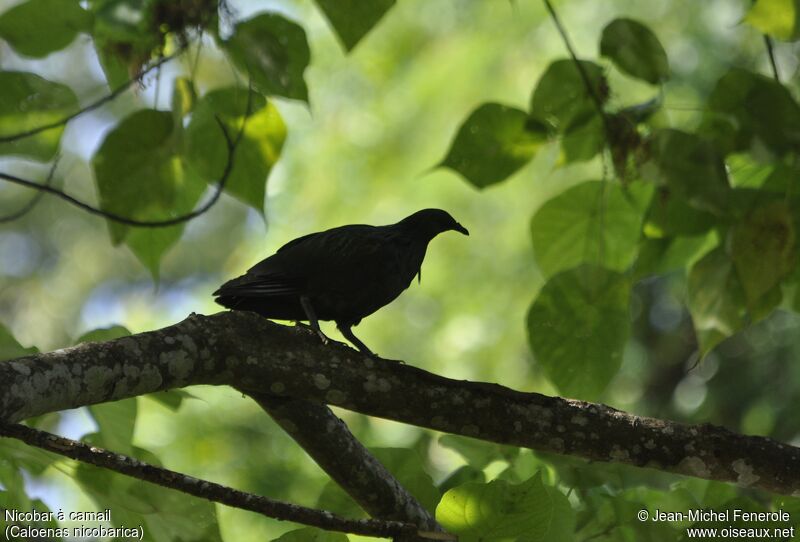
(10, 348)
(335, 500)
(562, 100)
(122, 20)
(692, 169)
(116, 422)
(561, 96)
(16, 499)
(577, 329)
(583, 139)
(715, 299)
(310, 534)
(184, 97)
(114, 59)
(763, 249)
(406, 465)
(15, 454)
(593, 222)
(140, 175)
(11, 479)
(257, 152)
(478, 453)
(28, 101)
(353, 19)
(778, 18)
(150, 244)
(670, 216)
(745, 172)
(498, 510)
(463, 475)
(748, 110)
(641, 112)
(172, 399)
(493, 143)
(658, 256)
(165, 514)
(274, 52)
(36, 28)
(103, 334)
(125, 36)
(635, 50)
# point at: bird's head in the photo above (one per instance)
(431, 222)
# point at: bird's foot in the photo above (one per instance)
(376, 357)
(316, 331)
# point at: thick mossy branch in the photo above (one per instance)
(254, 354)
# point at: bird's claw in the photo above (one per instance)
(310, 329)
(400, 361)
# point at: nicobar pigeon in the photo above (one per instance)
(343, 274)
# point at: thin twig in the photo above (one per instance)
(204, 489)
(94, 105)
(771, 54)
(585, 76)
(128, 221)
(196, 61)
(158, 84)
(28, 207)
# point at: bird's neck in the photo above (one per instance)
(418, 232)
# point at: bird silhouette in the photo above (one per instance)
(343, 274)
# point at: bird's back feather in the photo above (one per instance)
(347, 273)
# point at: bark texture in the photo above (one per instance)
(330, 443)
(205, 489)
(259, 356)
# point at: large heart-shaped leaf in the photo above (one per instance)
(27, 102)
(274, 52)
(36, 28)
(493, 143)
(635, 50)
(595, 222)
(577, 329)
(353, 19)
(140, 175)
(256, 153)
(530, 511)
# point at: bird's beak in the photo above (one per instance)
(461, 229)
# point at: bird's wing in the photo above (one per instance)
(299, 240)
(260, 285)
(288, 271)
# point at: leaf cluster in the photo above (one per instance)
(716, 204)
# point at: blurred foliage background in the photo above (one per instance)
(364, 150)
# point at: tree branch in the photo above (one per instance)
(584, 76)
(201, 488)
(254, 354)
(94, 105)
(330, 443)
(28, 207)
(771, 55)
(128, 221)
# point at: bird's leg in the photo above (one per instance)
(350, 336)
(312, 318)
